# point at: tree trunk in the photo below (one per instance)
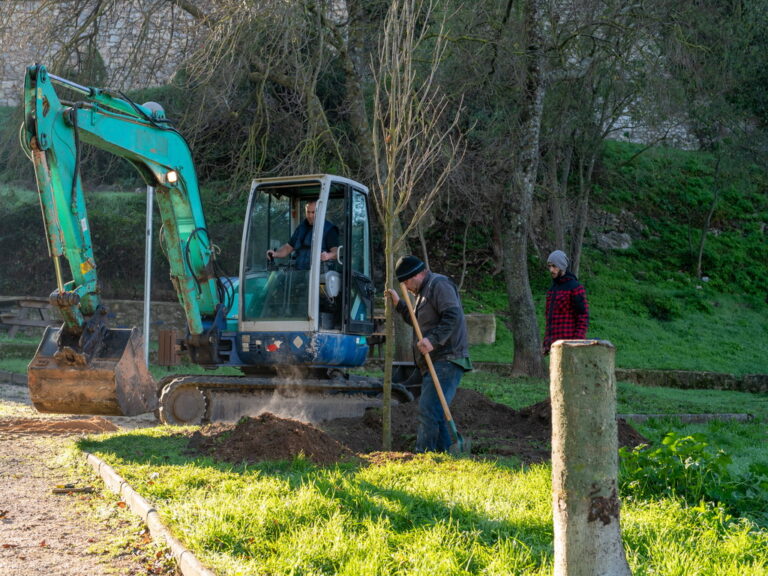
(582, 213)
(355, 59)
(585, 497)
(389, 346)
(522, 312)
(557, 195)
(518, 202)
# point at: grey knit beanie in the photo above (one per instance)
(559, 259)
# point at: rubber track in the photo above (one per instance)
(208, 385)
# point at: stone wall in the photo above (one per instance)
(755, 383)
(169, 315)
(481, 328)
(695, 380)
(163, 316)
(139, 42)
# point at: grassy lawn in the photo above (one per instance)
(631, 398)
(430, 515)
(732, 325)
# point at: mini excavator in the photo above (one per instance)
(293, 332)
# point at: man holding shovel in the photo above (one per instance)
(441, 340)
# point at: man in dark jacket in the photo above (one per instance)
(444, 330)
(567, 310)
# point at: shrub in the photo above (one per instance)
(686, 467)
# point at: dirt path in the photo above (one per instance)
(42, 533)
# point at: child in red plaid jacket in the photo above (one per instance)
(567, 310)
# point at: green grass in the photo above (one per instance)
(636, 399)
(734, 326)
(631, 398)
(515, 392)
(432, 515)
(436, 515)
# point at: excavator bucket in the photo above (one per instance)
(114, 381)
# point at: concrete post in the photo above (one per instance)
(585, 460)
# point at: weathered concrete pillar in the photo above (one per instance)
(585, 460)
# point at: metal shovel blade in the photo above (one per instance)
(461, 446)
(115, 381)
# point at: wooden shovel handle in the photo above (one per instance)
(427, 357)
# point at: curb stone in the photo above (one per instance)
(188, 564)
(688, 418)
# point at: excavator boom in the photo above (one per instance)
(84, 366)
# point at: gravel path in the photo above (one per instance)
(75, 533)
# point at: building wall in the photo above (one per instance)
(140, 42)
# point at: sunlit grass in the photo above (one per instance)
(745, 442)
(732, 337)
(637, 399)
(431, 515)
(515, 392)
(666, 537)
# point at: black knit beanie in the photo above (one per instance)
(408, 267)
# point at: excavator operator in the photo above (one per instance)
(301, 241)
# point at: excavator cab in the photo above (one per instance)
(303, 310)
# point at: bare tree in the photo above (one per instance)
(409, 138)
(603, 62)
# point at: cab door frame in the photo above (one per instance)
(359, 288)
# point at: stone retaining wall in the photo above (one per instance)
(756, 383)
(163, 316)
(481, 328)
(169, 315)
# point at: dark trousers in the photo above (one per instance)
(433, 434)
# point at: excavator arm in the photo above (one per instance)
(53, 132)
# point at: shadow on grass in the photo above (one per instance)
(360, 498)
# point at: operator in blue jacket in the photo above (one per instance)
(301, 241)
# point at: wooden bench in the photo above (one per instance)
(26, 312)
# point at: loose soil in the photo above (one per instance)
(495, 430)
(69, 534)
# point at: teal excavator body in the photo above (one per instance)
(292, 330)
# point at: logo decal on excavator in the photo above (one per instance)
(86, 266)
(275, 346)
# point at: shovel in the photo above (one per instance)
(459, 445)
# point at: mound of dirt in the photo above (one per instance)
(494, 430)
(267, 437)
